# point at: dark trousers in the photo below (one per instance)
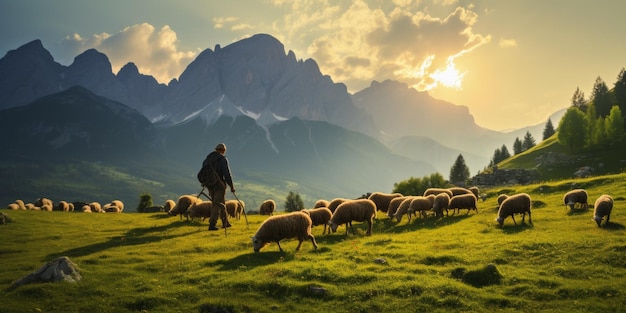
(218, 209)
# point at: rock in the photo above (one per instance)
(61, 269)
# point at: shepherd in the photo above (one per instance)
(215, 176)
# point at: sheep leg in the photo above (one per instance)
(513, 217)
(607, 219)
(529, 218)
(279, 247)
(299, 244)
(313, 242)
(352, 228)
(369, 228)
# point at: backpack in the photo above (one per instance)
(207, 176)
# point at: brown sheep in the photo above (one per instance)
(442, 202)
(184, 202)
(332, 206)
(394, 204)
(576, 196)
(320, 216)
(267, 207)
(200, 210)
(420, 204)
(601, 208)
(463, 201)
(382, 200)
(321, 203)
(361, 210)
(279, 227)
(515, 204)
(436, 191)
(456, 191)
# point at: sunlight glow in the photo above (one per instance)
(450, 77)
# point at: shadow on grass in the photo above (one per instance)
(388, 226)
(262, 258)
(613, 226)
(135, 236)
(578, 212)
(514, 229)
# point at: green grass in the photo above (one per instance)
(133, 262)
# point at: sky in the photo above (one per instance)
(511, 62)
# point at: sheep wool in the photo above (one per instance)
(601, 208)
(576, 196)
(200, 210)
(393, 206)
(267, 207)
(234, 208)
(183, 204)
(95, 207)
(332, 206)
(442, 202)
(278, 227)
(403, 208)
(421, 205)
(516, 204)
(436, 191)
(382, 200)
(463, 201)
(320, 216)
(168, 205)
(456, 191)
(321, 203)
(361, 210)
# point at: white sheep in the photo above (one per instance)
(234, 208)
(44, 201)
(601, 208)
(382, 199)
(516, 204)
(168, 205)
(13, 206)
(115, 206)
(320, 216)
(576, 196)
(436, 191)
(462, 201)
(95, 207)
(21, 204)
(63, 206)
(86, 209)
(441, 202)
(184, 202)
(267, 207)
(278, 227)
(361, 210)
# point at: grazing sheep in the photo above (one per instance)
(332, 206)
(20, 203)
(420, 204)
(475, 191)
(515, 204)
(13, 206)
(234, 208)
(382, 200)
(436, 191)
(319, 216)
(115, 206)
(63, 206)
(267, 207)
(456, 191)
(70, 206)
(394, 204)
(46, 207)
(86, 209)
(168, 205)
(95, 207)
(321, 203)
(576, 196)
(501, 198)
(442, 202)
(602, 207)
(44, 201)
(276, 228)
(184, 202)
(200, 210)
(403, 208)
(463, 201)
(362, 210)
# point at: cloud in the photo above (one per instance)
(219, 22)
(508, 43)
(360, 41)
(153, 51)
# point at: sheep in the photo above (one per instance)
(234, 208)
(436, 191)
(320, 216)
(576, 196)
(464, 201)
(501, 198)
(202, 209)
(602, 207)
(267, 207)
(321, 203)
(456, 191)
(13, 206)
(115, 206)
(276, 228)
(70, 207)
(86, 209)
(475, 191)
(184, 202)
(63, 206)
(95, 207)
(394, 204)
(44, 201)
(168, 205)
(382, 200)
(20, 203)
(46, 207)
(332, 206)
(403, 208)
(362, 210)
(516, 204)
(420, 204)
(442, 202)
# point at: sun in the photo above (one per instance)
(450, 77)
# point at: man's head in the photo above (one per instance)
(221, 148)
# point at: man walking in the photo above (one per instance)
(217, 191)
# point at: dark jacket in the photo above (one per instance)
(221, 166)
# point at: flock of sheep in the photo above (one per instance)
(45, 204)
(339, 211)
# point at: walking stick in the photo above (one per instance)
(243, 209)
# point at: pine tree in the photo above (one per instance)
(459, 173)
(601, 98)
(548, 131)
(293, 202)
(517, 146)
(504, 153)
(578, 100)
(619, 91)
(529, 141)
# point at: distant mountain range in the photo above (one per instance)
(282, 119)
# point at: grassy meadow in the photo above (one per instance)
(134, 262)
